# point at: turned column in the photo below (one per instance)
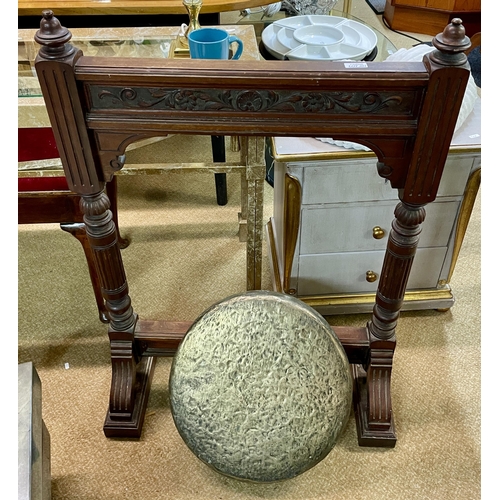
(400, 252)
(448, 74)
(55, 69)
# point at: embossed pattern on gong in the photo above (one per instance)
(260, 388)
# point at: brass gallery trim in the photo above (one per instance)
(349, 154)
(276, 278)
(411, 296)
(291, 222)
(464, 215)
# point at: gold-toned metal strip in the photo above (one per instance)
(369, 298)
(273, 256)
(350, 154)
(291, 221)
(469, 198)
(320, 156)
(465, 149)
(346, 8)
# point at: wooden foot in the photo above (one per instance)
(132, 428)
(369, 434)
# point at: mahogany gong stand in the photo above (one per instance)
(404, 112)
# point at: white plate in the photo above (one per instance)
(337, 52)
(359, 39)
(318, 34)
(286, 38)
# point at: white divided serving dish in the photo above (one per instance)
(313, 42)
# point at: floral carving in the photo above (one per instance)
(253, 100)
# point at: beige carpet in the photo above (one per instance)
(185, 255)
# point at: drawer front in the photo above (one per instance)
(347, 228)
(455, 175)
(349, 181)
(344, 181)
(346, 272)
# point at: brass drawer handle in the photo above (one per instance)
(371, 276)
(378, 232)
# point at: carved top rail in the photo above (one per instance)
(405, 112)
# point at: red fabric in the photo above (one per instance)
(42, 184)
(36, 143)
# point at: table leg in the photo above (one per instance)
(129, 382)
(219, 155)
(77, 229)
(346, 8)
(243, 215)
(112, 192)
(253, 156)
(372, 401)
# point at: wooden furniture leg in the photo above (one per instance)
(372, 395)
(131, 379)
(63, 207)
(252, 152)
(219, 155)
(77, 229)
(112, 192)
(243, 215)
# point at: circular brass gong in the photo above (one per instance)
(260, 387)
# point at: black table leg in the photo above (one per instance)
(219, 155)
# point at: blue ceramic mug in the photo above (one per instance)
(212, 43)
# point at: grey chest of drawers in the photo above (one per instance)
(333, 213)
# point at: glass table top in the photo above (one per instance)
(153, 42)
(135, 47)
(144, 42)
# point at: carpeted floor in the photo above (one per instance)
(184, 256)
(186, 264)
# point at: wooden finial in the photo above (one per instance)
(53, 37)
(451, 44)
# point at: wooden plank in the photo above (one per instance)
(160, 338)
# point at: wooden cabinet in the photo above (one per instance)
(450, 5)
(333, 214)
(430, 16)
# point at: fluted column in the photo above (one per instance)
(55, 69)
(448, 74)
